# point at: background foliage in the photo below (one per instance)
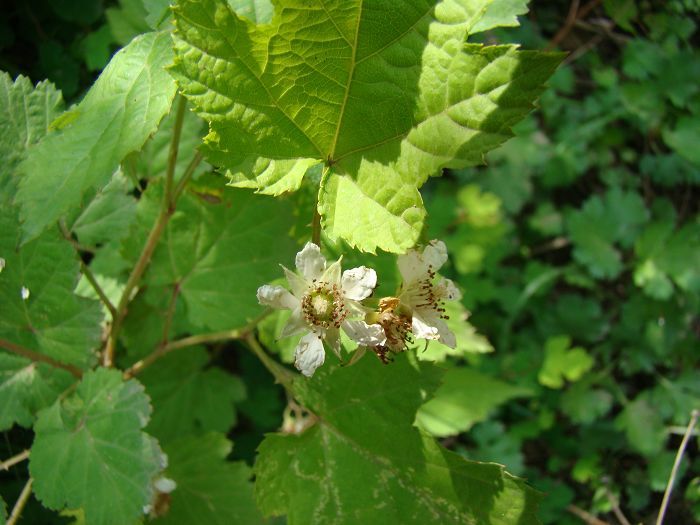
(577, 248)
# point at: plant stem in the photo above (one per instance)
(676, 465)
(586, 517)
(166, 211)
(316, 221)
(21, 502)
(213, 337)
(36, 356)
(282, 376)
(98, 289)
(5, 465)
(615, 505)
(187, 175)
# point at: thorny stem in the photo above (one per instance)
(282, 376)
(165, 349)
(166, 211)
(676, 464)
(5, 465)
(21, 502)
(36, 356)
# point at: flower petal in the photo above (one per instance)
(332, 273)
(411, 266)
(277, 297)
(310, 262)
(446, 289)
(309, 354)
(359, 283)
(297, 283)
(423, 326)
(435, 254)
(365, 334)
(295, 324)
(446, 335)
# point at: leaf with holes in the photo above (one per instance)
(385, 96)
(363, 461)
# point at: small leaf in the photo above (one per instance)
(189, 399)
(501, 13)
(89, 450)
(465, 397)
(115, 118)
(26, 388)
(363, 461)
(643, 426)
(562, 362)
(209, 489)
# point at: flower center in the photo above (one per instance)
(323, 306)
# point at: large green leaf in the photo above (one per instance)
(27, 387)
(209, 489)
(385, 97)
(89, 451)
(218, 253)
(115, 118)
(189, 399)
(25, 114)
(364, 462)
(38, 309)
(466, 397)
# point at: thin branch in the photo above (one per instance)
(676, 464)
(21, 502)
(169, 314)
(564, 30)
(282, 376)
(166, 211)
(214, 337)
(584, 516)
(36, 356)
(187, 175)
(98, 289)
(5, 465)
(615, 505)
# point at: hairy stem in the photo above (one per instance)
(676, 464)
(5, 465)
(41, 358)
(213, 337)
(166, 211)
(21, 502)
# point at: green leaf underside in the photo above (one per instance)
(209, 489)
(27, 387)
(52, 320)
(364, 462)
(386, 97)
(25, 114)
(218, 252)
(89, 451)
(466, 397)
(189, 399)
(121, 110)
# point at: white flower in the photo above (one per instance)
(321, 301)
(424, 295)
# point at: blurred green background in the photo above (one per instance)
(577, 248)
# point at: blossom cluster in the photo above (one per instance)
(323, 301)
